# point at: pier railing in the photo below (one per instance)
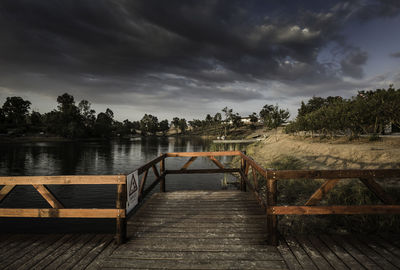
(261, 182)
(58, 210)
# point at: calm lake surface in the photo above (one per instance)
(88, 158)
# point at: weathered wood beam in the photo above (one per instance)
(188, 163)
(320, 193)
(143, 182)
(272, 220)
(48, 196)
(216, 162)
(162, 171)
(155, 171)
(255, 179)
(5, 191)
(334, 210)
(202, 171)
(254, 164)
(62, 213)
(252, 189)
(146, 166)
(203, 154)
(332, 174)
(120, 204)
(63, 180)
(375, 188)
(147, 190)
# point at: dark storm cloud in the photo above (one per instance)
(353, 63)
(395, 55)
(191, 49)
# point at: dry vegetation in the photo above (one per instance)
(285, 152)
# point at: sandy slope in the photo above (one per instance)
(328, 154)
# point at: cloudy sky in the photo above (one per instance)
(188, 58)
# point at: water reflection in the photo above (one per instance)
(105, 157)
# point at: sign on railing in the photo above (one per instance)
(132, 191)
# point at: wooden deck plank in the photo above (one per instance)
(303, 258)
(14, 248)
(290, 259)
(13, 256)
(93, 252)
(34, 250)
(313, 253)
(162, 229)
(190, 235)
(356, 253)
(191, 255)
(200, 212)
(373, 255)
(200, 241)
(193, 264)
(330, 256)
(56, 253)
(341, 253)
(70, 253)
(28, 264)
(374, 244)
(387, 244)
(106, 253)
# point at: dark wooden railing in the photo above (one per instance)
(332, 177)
(58, 210)
(266, 197)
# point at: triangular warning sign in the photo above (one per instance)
(133, 186)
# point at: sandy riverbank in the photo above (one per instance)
(316, 153)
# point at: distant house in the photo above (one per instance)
(246, 120)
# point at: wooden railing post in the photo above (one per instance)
(272, 219)
(242, 168)
(121, 221)
(162, 173)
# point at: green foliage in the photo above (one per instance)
(15, 111)
(163, 126)
(273, 116)
(149, 124)
(368, 112)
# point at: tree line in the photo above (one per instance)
(71, 120)
(369, 112)
(79, 120)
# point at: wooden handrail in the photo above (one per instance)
(203, 154)
(63, 180)
(332, 177)
(58, 210)
(270, 205)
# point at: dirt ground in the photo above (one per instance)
(317, 153)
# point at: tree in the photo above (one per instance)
(273, 117)
(175, 122)
(236, 120)
(163, 126)
(88, 114)
(103, 126)
(149, 124)
(217, 118)
(15, 110)
(182, 125)
(70, 122)
(209, 119)
(228, 117)
(66, 103)
(253, 120)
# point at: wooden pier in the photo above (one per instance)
(202, 229)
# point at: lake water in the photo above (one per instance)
(88, 158)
